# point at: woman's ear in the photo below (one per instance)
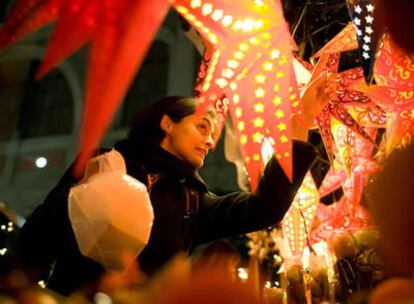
(166, 124)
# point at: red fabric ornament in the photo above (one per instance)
(120, 33)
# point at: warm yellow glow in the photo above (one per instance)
(281, 126)
(258, 122)
(286, 154)
(275, 54)
(198, 24)
(267, 66)
(280, 74)
(260, 78)
(283, 139)
(256, 157)
(207, 9)
(279, 114)
(236, 99)
(227, 73)
(190, 17)
(259, 107)
(277, 101)
(248, 25)
(257, 137)
(213, 38)
(295, 104)
(240, 126)
(276, 87)
(195, 3)
(233, 64)
(237, 25)
(227, 20)
(233, 86)
(254, 41)
(182, 9)
(238, 112)
(259, 2)
(247, 159)
(259, 93)
(221, 83)
(238, 55)
(283, 60)
(217, 15)
(244, 47)
(243, 139)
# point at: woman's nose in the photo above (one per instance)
(210, 141)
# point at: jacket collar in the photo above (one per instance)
(157, 160)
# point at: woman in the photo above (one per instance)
(166, 146)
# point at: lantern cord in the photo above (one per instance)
(306, 232)
(302, 14)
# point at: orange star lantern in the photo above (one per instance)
(251, 66)
(298, 219)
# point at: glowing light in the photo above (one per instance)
(283, 139)
(248, 25)
(41, 162)
(259, 107)
(42, 284)
(195, 3)
(221, 82)
(236, 98)
(242, 273)
(276, 87)
(260, 78)
(238, 112)
(227, 20)
(233, 86)
(234, 64)
(280, 75)
(281, 126)
(243, 139)
(217, 15)
(227, 73)
(238, 55)
(256, 157)
(274, 54)
(259, 93)
(257, 137)
(207, 9)
(268, 66)
(240, 126)
(279, 114)
(277, 101)
(258, 122)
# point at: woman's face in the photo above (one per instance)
(190, 139)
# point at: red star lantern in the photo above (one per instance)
(251, 66)
(119, 32)
(343, 83)
(394, 72)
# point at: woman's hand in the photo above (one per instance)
(316, 95)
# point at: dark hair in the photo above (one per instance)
(146, 124)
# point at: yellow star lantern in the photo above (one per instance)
(251, 66)
(298, 219)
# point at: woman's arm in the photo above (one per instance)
(242, 212)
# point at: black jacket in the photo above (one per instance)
(47, 237)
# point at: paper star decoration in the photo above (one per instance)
(251, 66)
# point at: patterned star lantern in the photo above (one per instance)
(119, 32)
(345, 95)
(251, 66)
(394, 92)
(298, 219)
(353, 164)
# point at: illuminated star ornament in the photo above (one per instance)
(119, 34)
(367, 32)
(251, 66)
